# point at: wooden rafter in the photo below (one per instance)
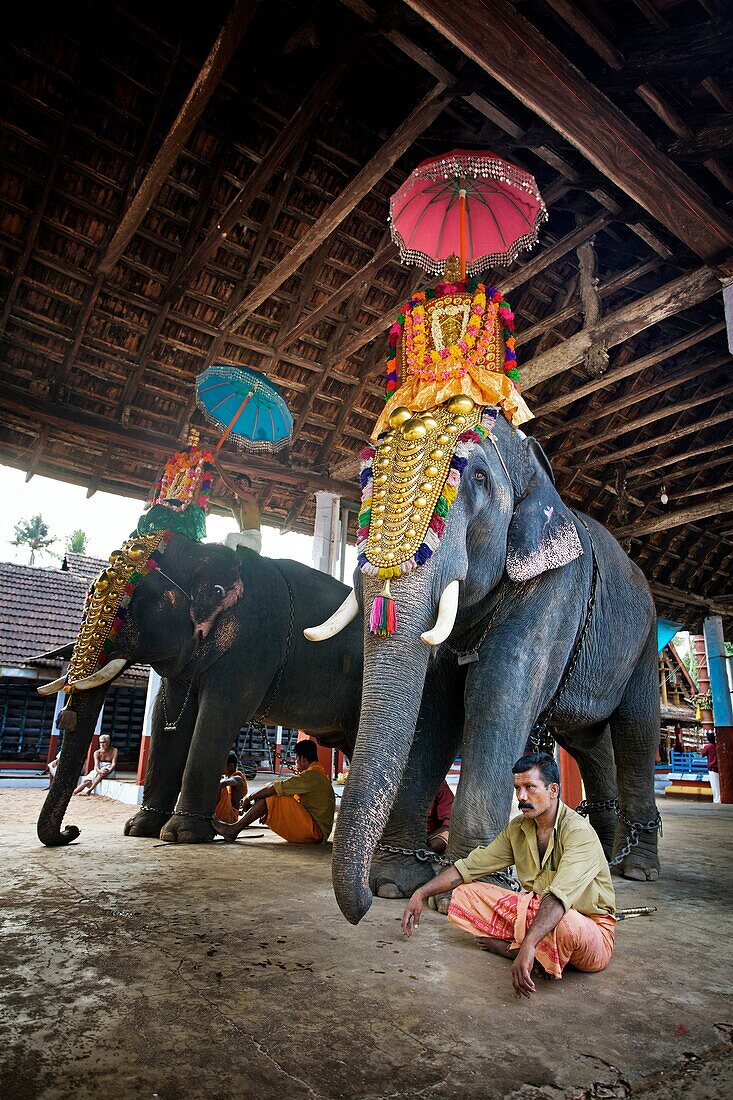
(615, 328)
(285, 144)
(715, 506)
(206, 83)
(512, 51)
(423, 115)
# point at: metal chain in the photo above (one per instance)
(424, 855)
(153, 810)
(176, 813)
(170, 727)
(470, 656)
(278, 676)
(584, 808)
(540, 739)
(635, 827)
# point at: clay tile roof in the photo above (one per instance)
(41, 608)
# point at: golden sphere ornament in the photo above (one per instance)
(399, 416)
(460, 404)
(414, 429)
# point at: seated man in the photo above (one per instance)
(105, 762)
(438, 823)
(232, 789)
(565, 913)
(299, 809)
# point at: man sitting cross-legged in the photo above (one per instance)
(299, 809)
(565, 913)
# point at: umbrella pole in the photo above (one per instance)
(232, 422)
(462, 228)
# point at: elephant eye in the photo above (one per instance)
(479, 475)
(221, 593)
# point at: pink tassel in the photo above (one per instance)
(383, 619)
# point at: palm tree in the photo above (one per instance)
(76, 543)
(32, 532)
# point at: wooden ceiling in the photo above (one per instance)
(189, 183)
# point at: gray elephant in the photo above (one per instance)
(524, 612)
(225, 631)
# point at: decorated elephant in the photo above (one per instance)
(225, 631)
(508, 617)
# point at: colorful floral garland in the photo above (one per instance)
(464, 445)
(471, 348)
(197, 466)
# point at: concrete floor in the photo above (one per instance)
(134, 969)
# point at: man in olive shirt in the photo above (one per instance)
(565, 913)
(299, 809)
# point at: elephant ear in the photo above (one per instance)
(542, 534)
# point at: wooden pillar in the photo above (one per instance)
(571, 785)
(724, 744)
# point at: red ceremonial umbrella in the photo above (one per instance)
(474, 205)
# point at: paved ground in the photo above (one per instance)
(132, 969)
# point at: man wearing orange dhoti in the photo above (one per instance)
(299, 809)
(232, 790)
(565, 913)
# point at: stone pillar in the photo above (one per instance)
(722, 706)
(326, 543)
(703, 679)
(142, 760)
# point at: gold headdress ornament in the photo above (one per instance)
(455, 339)
(451, 371)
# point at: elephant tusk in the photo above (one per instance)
(341, 618)
(447, 611)
(101, 676)
(52, 688)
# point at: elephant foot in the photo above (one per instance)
(144, 823)
(642, 862)
(185, 828)
(386, 889)
(394, 876)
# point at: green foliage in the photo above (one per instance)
(76, 543)
(33, 533)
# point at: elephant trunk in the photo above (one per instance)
(394, 675)
(71, 764)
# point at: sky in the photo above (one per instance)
(108, 520)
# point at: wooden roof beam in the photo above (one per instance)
(418, 121)
(594, 415)
(615, 328)
(157, 445)
(206, 83)
(634, 367)
(659, 440)
(512, 51)
(715, 506)
(581, 22)
(650, 467)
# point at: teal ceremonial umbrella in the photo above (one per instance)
(248, 406)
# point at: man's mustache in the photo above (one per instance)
(525, 805)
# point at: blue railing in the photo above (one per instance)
(688, 763)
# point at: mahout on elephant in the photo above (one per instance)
(225, 631)
(525, 612)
